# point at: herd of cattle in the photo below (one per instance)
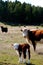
(24, 49)
(31, 36)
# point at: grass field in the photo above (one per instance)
(8, 55)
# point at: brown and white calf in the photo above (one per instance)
(23, 50)
(33, 36)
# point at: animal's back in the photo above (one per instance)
(38, 35)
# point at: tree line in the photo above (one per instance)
(20, 13)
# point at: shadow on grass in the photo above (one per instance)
(40, 53)
(3, 63)
(30, 64)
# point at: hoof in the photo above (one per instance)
(20, 61)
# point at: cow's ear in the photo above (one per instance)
(21, 30)
(11, 44)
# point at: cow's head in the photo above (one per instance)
(1, 26)
(25, 32)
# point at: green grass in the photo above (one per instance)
(8, 55)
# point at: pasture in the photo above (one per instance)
(8, 55)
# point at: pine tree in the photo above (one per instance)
(7, 0)
(15, 0)
(0, 0)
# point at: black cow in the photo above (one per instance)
(4, 29)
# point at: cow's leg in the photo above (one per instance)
(24, 56)
(34, 45)
(28, 55)
(20, 57)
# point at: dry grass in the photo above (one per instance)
(7, 53)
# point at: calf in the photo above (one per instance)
(22, 51)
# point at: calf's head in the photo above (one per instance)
(15, 46)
